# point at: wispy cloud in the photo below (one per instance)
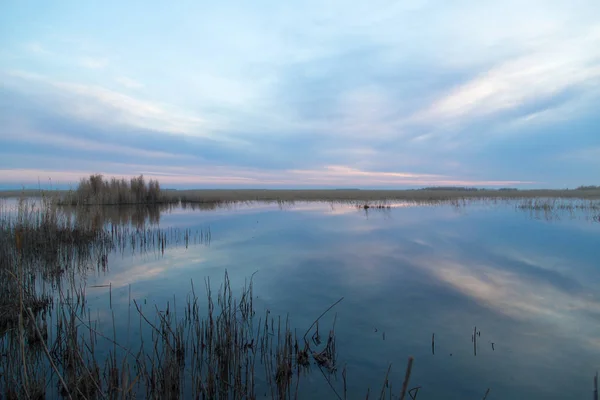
(514, 83)
(344, 171)
(25, 134)
(98, 104)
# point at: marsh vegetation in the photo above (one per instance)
(96, 190)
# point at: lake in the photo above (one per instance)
(528, 284)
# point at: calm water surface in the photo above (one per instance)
(530, 286)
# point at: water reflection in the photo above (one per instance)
(530, 286)
(137, 216)
(133, 215)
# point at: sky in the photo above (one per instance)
(311, 94)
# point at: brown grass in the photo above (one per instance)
(237, 195)
(95, 190)
(43, 243)
(367, 195)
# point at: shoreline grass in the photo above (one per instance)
(43, 242)
(95, 190)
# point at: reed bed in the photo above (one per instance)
(95, 190)
(554, 209)
(231, 195)
(42, 245)
(215, 353)
(558, 204)
(219, 352)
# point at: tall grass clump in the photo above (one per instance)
(96, 190)
(215, 351)
(41, 243)
(38, 244)
(47, 340)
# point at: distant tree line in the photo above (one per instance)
(466, 189)
(474, 189)
(451, 188)
(590, 187)
(97, 190)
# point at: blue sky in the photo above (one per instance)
(301, 94)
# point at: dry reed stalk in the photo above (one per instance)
(344, 372)
(406, 378)
(45, 348)
(21, 327)
(596, 386)
(385, 383)
(316, 321)
(475, 341)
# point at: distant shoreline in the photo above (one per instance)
(235, 195)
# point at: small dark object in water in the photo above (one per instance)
(486, 394)
(414, 392)
(366, 206)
